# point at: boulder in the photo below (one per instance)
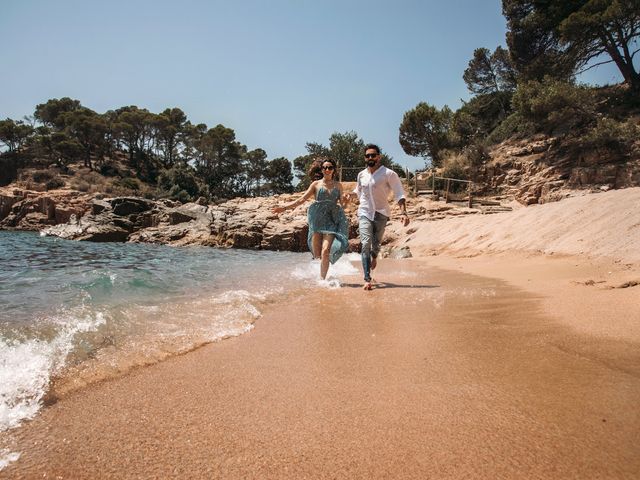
(99, 206)
(174, 217)
(124, 206)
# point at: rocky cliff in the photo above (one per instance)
(544, 170)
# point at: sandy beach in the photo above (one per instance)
(503, 365)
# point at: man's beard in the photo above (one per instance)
(371, 163)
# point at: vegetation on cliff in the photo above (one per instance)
(133, 151)
(162, 155)
(530, 89)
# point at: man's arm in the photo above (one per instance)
(398, 193)
(355, 193)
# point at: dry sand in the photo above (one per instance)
(598, 225)
(510, 365)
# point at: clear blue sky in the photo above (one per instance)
(279, 72)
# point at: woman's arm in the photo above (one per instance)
(343, 197)
(308, 194)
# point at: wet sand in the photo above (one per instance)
(436, 374)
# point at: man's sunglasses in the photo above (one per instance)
(330, 167)
(371, 155)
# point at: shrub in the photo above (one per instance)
(456, 165)
(109, 170)
(55, 183)
(41, 176)
(611, 134)
(8, 168)
(82, 186)
(554, 106)
(128, 183)
(180, 183)
(180, 195)
(512, 126)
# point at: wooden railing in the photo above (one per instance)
(421, 185)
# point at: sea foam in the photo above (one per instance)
(26, 367)
(310, 272)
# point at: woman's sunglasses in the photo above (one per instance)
(330, 167)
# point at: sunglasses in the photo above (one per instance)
(371, 155)
(329, 167)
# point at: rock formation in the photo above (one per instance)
(28, 210)
(239, 223)
(544, 170)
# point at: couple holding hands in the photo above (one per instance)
(328, 226)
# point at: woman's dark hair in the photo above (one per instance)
(373, 146)
(315, 170)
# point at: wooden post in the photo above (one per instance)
(446, 193)
(470, 199)
(340, 174)
(415, 184)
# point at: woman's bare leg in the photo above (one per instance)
(327, 240)
(316, 245)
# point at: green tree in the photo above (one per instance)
(302, 163)
(492, 75)
(219, 161)
(556, 38)
(14, 134)
(478, 117)
(191, 137)
(58, 147)
(51, 113)
(534, 45)
(88, 129)
(424, 132)
(171, 126)
(490, 72)
(347, 149)
(134, 129)
(256, 165)
(591, 29)
(278, 176)
(180, 183)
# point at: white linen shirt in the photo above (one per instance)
(373, 191)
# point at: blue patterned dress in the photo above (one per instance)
(326, 216)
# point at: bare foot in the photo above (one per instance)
(374, 262)
(367, 286)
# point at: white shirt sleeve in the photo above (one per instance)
(357, 189)
(396, 185)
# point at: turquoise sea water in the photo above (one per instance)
(76, 312)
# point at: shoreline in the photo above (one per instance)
(444, 373)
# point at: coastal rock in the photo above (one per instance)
(124, 206)
(97, 228)
(238, 223)
(30, 210)
(401, 252)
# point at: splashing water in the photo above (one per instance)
(74, 311)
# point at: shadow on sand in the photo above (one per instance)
(376, 285)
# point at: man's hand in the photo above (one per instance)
(350, 197)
